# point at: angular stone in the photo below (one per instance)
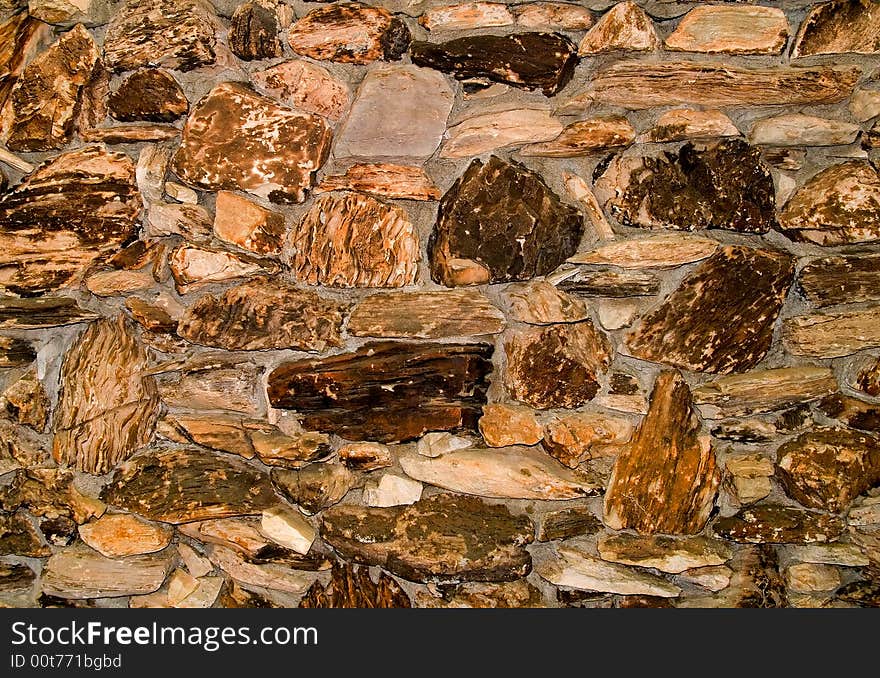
(195, 267)
(22, 36)
(119, 534)
(80, 573)
(556, 365)
(624, 27)
(223, 149)
(524, 60)
(490, 130)
(775, 524)
(721, 318)
(240, 534)
(840, 205)
(681, 124)
(540, 303)
(841, 280)
(425, 315)
(386, 391)
(853, 412)
(271, 576)
(349, 33)
(665, 250)
(26, 400)
(839, 27)
(749, 475)
(212, 383)
(580, 190)
(827, 468)
(316, 486)
(183, 485)
(730, 29)
(503, 425)
(716, 578)
(578, 570)
(148, 94)
(831, 335)
(553, 15)
(466, 16)
(724, 185)
(439, 443)
(49, 492)
(508, 473)
(444, 538)
(584, 138)
(351, 587)
(44, 101)
(612, 284)
(864, 104)
(261, 314)
(667, 448)
(287, 527)
(18, 537)
(254, 31)
(576, 438)
(847, 555)
(392, 490)
(500, 222)
(305, 86)
(812, 577)
(246, 224)
(754, 583)
(666, 554)
(568, 522)
(383, 180)
(354, 240)
(400, 111)
(15, 352)
(615, 314)
(192, 222)
(66, 214)
(864, 593)
(365, 456)
(174, 34)
(16, 578)
(795, 129)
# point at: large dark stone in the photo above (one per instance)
(148, 94)
(775, 524)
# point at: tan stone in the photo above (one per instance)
(241, 534)
(864, 104)
(842, 26)
(488, 131)
(795, 129)
(576, 438)
(504, 425)
(392, 490)
(270, 576)
(384, 180)
(667, 250)
(305, 86)
(715, 578)
(846, 555)
(731, 29)
(624, 27)
(832, 335)
(121, 534)
(585, 137)
(194, 267)
(680, 124)
(193, 222)
(466, 16)
(286, 526)
(365, 456)
(438, 443)
(580, 191)
(666, 554)
(26, 401)
(615, 314)
(81, 573)
(812, 577)
(248, 225)
(553, 15)
(540, 303)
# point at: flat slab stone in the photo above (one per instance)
(841, 280)
(538, 302)
(553, 15)
(847, 555)
(306, 87)
(194, 267)
(466, 16)
(730, 29)
(611, 284)
(493, 129)
(681, 124)
(79, 572)
(244, 223)
(721, 318)
(624, 27)
(584, 138)
(666, 554)
(774, 524)
(222, 148)
(795, 129)
(384, 180)
(150, 94)
(118, 535)
(839, 27)
(832, 335)
(399, 111)
(665, 250)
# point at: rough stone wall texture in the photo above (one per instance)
(440, 304)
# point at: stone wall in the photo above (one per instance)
(427, 304)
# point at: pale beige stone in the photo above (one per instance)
(553, 15)
(540, 303)
(615, 314)
(194, 267)
(666, 554)
(714, 578)
(845, 555)
(181, 193)
(286, 526)
(667, 250)
(489, 131)
(866, 512)
(196, 564)
(269, 576)
(466, 16)
(439, 443)
(864, 104)
(585, 137)
(812, 577)
(305, 86)
(680, 124)
(580, 191)
(383, 179)
(832, 335)
(795, 129)
(114, 282)
(624, 27)
(731, 29)
(392, 490)
(121, 534)
(504, 425)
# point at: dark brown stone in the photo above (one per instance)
(612, 284)
(59, 531)
(314, 487)
(31, 314)
(21, 35)
(484, 595)
(500, 222)
(865, 593)
(868, 380)
(526, 60)
(184, 485)
(839, 27)
(775, 524)
(253, 33)
(151, 317)
(19, 538)
(351, 587)
(721, 318)
(148, 94)
(853, 412)
(387, 391)
(16, 578)
(15, 352)
(49, 492)
(26, 400)
(565, 523)
(756, 581)
(444, 538)
(841, 280)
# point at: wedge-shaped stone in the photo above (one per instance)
(831, 335)
(637, 85)
(148, 94)
(500, 222)
(864, 104)
(510, 473)
(576, 569)
(838, 27)
(841, 280)
(840, 205)
(681, 124)
(194, 267)
(827, 468)
(525, 60)
(387, 391)
(176, 34)
(183, 485)
(666, 250)
(66, 214)
(384, 180)
(262, 314)
(853, 412)
(763, 391)
(316, 486)
(254, 31)
(272, 576)
(425, 315)
(556, 365)
(275, 158)
(585, 137)
(192, 222)
(444, 538)
(488, 131)
(796, 129)
(721, 317)
(350, 33)
(666, 479)
(350, 586)
(666, 554)
(724, 185)
(80, 572)
(774, 524)
(624, 27)
(730, 29)
(119, 534)
(305, 86)
(107, 408)
(49, 492)
(212, 382)
(540, 303)
(581, 436)
(553, 15)
(45, 100)
(248, 225)
(466, 16)
(354, 240)
(611, 284)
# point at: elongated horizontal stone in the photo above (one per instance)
(239, 534)
(611, 284)
(585, 137)
(683, 123)
(567, 522)
(466, 16)
(79, 573)
(831, 335)
(841, 26)
(540, 303)
(841, 280)
(795, 129)
(730, 29)
(15, 352)
(386, 391)
(305, 86)
(666, 250)
(553, 15)
(774, 524)
(271, 576)
(666, 554)
(130, 134)
(383, 180)
(119, 534)
(488, 131)
(847, 555)
(624, 27)
(212, 382)
(193, 267)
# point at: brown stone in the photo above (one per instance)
(540, 303)
(119, 534)
(212, 382)
(838, 206)
(107, 409)
(183, 485)
(365, 456)
(425, 315)
(383, 180)
(585, 137)
(275, 159)
(576, 438)
(148, 94)
(841, 280)
(553, 15)
(484, 595)
(114, 282)
(16, 578)
(492, 129)
(192, 222)
(244, 223)
(351, 587)
(556, 365)
(853, 412)
(49, 492)
(500, 222)
(15, 352)
(80, 572)
(254, 31)
(796, 129)
(21, 37)
(611, 284)
(839, 27)
(624, 27)
(386, 391)
(314, 487)
(305, 86)
(26, 400)
(665, 250)
(868, 379)
(350, 33)
(666, 479)
(19, 538)
(567, 522)
(354, 240)
(174, 34)
(827, 468)
(466, 16)
(267, 577)
(831, 335)
(667, 554)
(444, 538)
(195, 267)
(774, 524)
(681, 124)
(865, 593)
(130, 134)
(730, 29)
(152, 317)
(505, 425)
(756, 581)
(720, 319)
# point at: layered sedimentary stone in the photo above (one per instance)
(15, 352)
(254, 31)
(49, 492)
(130, 134)
(795, 129)
(611, 284)
(853, 412)
(246, 224)
(354, 240)
(775, 524)
(314, 487)
(579, 437)
(500, 222)
(730, 29)
(831, 335)
(194, 267)
(841, 26)
(490, 130)
(568, 522)
(351, 587)
(387, 391)
(236, 139)
(666, 250)
(212, 382)
(553, 15)
(681, 124)
(585, 137)
(466, 16)
(119, 534)
(749, 477)
(148, 94)
(384, 180)
(504, 425)
(83, 573)
(666, 479)
(841, 280)
(305, 86)
(666, 554)
(624, 27)
(540, 303)
(21, 36)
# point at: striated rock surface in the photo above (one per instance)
(494, 129)
(254, 31)
(666, 554)
(465, 16)
(796, 129)
(305, 86)
(585, 137)
(315, 487)
(351, 587)
(79, 573)
(831, 335)
(841, 280)
(681, 124)
(540, 303)
(553, 15)
(775, 524)
(212, 382)
(730, 29)
(841, 26)
(244, 223)
(666, 250)
(148, 94)
(624, 27)
(383, 180)
(568, 522)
